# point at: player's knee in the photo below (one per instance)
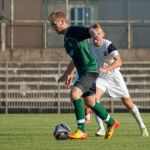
(90, 103)
(75, 94)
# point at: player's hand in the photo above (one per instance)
(103, 70)
(68, 81)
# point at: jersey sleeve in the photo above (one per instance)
(112, 51)
(111, 48)
(79, 33)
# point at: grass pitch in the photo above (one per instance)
(34, 132)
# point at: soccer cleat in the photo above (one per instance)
(100, 132)
(145, 132)
(78, 134)
(111, 129)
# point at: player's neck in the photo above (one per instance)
(65, 30)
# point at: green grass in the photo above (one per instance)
(34, 132)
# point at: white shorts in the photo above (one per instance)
(113, 84)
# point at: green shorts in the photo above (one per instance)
(86, 83)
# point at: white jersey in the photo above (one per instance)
(112, 81)
(104, 54)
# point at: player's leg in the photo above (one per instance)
(135, 112)
(80, 88)
(86, 84)
(79, 110)
(119, 89)
(88, 113)
(101, 129)
(101, 112)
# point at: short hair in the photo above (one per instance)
(58, 15)
(97, 26)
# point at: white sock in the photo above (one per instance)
(100, 122)
(137, 116)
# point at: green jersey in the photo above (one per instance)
(76, 46)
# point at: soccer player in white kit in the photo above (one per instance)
(110, 79)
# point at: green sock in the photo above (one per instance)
(100, 111)
(79, 109)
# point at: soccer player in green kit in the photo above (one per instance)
(87, 68)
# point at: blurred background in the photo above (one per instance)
(32, 56)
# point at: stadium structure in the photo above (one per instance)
(32, 59)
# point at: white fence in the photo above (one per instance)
(33, 87)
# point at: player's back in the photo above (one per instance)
(78, 50)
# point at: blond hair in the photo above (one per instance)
(97, 26)
(57, 15)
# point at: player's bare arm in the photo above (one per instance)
(117, 63)
(70, 70)
(68, 75)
